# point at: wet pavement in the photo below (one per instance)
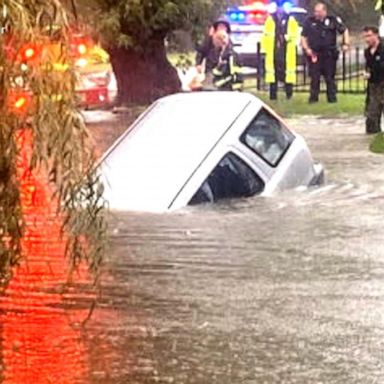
(287, 289)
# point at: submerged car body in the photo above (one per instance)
(203, 147)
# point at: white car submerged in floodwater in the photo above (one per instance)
(202, 147)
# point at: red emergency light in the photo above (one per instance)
(28, 53)
(82, 49)
(80, 45)
(19, 102)
(251, 13)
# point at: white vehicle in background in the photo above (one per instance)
(247, 26)
(203, 147)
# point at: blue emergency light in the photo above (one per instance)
(283, 3)
(286, 5)
(236, 15)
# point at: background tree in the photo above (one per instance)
(354, 12)
(134, 31)
(60, 154)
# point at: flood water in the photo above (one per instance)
(286, 289)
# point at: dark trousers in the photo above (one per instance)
(374, 107)
(274, 87)
(326, 67)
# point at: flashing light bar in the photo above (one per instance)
(285, 4)
(241, 17)
(237, 16)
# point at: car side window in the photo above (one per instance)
(267, 137)
(231, 178)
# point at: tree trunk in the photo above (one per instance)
(143, 76)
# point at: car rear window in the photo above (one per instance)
(267, 137)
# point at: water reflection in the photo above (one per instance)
(40, 342)
(288, 289)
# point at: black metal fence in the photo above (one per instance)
(350, 74)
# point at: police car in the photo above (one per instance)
(247, 26)
(204, 147)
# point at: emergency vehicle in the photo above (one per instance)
(96, 86)
(247, 27)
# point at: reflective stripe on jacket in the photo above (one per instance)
(229, 74)
(268, 47)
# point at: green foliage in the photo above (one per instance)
(377, 145)
(60, 147)
(134, 23)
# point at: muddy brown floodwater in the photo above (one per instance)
(287, 289)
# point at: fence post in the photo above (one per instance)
(344, 69)
(259, 67)
(358, 77)
(305, 63)
(350, 69)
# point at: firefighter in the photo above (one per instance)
(279, 42)
(227, 72)
(207, 54)
(319, 41)
(374, 56)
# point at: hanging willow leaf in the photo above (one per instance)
(61, 153)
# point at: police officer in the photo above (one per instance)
(319, 41)
(374, 56)
(281, 34)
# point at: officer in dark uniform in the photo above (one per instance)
(374, 56)
(319, 40)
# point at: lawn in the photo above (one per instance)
(377, 145)
(348, 105)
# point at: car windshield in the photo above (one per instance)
(267, 137)
(232, 178)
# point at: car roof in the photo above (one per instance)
(151, 162)
(298, 10)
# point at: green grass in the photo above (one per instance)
(348, 105)
(377, 145)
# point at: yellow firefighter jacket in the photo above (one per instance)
(268, 45)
